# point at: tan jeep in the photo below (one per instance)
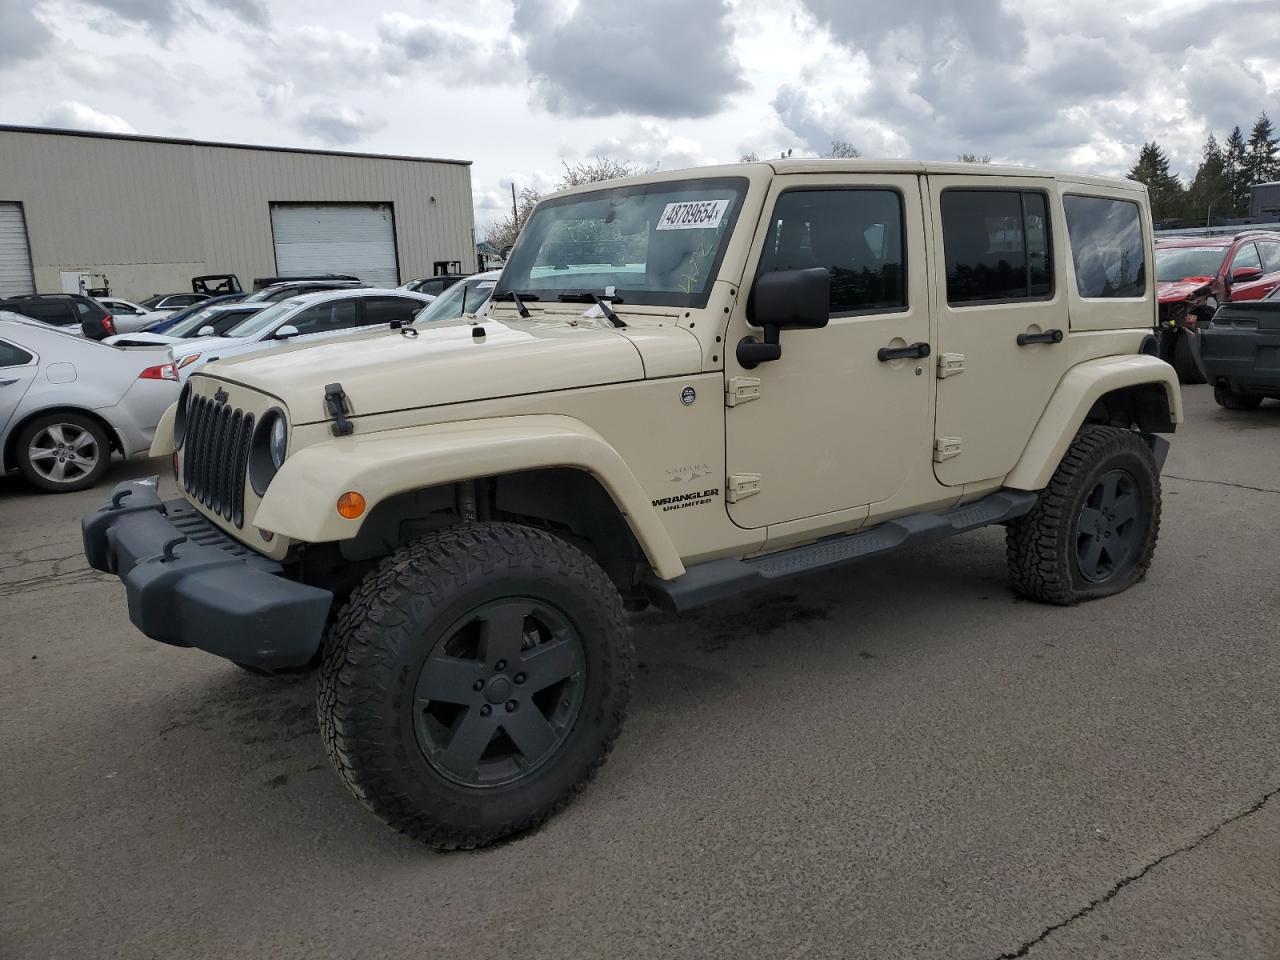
(688, 385)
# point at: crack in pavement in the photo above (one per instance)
(1125, 881)
(1221, 483)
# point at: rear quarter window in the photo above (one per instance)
(1106, 246)
(12, 356)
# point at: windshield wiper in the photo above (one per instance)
(518, 299)
(599, 301)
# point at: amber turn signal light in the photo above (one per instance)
(350, 505)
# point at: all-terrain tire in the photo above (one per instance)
(1224, 396)
(1184, 362)
(1043, 547)
(377, 654)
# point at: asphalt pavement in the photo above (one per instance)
(897, 760)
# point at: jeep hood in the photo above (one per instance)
(1174, 291)
(443, 363)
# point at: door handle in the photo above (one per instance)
(914, 350)
(1049, 336)
(5, 383)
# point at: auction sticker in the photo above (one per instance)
(692, 215)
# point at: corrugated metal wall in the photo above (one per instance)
(152, 214)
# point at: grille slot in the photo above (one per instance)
(216, 457)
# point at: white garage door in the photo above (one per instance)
(15, 257)
(358, 239)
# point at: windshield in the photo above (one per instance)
(465, 296)
(655, 243)
(1175, 263)
(192, 322)
(263, 319)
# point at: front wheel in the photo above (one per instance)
(1093, 530)
(1184, 362)
(474, 682)
(1230, 399)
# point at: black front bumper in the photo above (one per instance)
(191, 585)
(1248, 359)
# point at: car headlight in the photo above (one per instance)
(279, 439)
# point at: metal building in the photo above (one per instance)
(149, 213)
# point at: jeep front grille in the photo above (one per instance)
(216, 456)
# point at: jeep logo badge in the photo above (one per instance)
(688, 395)
(222, 395)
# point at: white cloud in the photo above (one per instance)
(337, 124)
(71, 115)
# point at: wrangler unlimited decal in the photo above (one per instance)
(682, 500)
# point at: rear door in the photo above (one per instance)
(384, 310)
(18, 367)
(1003, 319)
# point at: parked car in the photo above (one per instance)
(66, 403)
(466, 296)
(261, 282)
(128, 316)
(433, 286)
(172, 319)
(173, 301)
(294, 288)
(1194, 275)
(1239, 352)
(303, 319)
(206, 320)
(53, 308)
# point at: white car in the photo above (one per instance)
(312, 316)
(466, 296)
(66, 403)
(128, 316)
(209, 321)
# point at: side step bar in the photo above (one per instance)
(720, 579)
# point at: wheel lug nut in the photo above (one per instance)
(511, 706)
(500, 665)
(478, 686)
(486, 710)
(519, 678)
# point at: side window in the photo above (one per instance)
(432, 288)
(11, 356)
(333, 315)
(1106, 246)
(386, 309)
(1246, 256)
(50, 311)
(996, 244)
(856, 234)
(1270, 250)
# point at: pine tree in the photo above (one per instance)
(1168, 197)
(1210, 191)
(1263, 160)
(1236, 155)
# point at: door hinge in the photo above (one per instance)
(944, 448)
(949, 364)
(740, 390)
(741, 485)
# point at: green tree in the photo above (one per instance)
(1262, 163)
(1210, 191)
(1168, 197)
(1236, 155)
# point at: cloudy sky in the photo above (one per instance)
(521, 86)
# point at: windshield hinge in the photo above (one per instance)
(949, 364)
(335, 398)
(741, 485)
(740, 390)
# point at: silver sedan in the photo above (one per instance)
(67, 403)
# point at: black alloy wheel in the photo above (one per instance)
(1110, 529)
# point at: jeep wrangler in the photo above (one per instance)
(687, 386)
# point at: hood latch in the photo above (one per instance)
(335, 398)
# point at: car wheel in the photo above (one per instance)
(1093, 529)
(1224, 396)
(474, 682)
(63, 452)
(1183, 361)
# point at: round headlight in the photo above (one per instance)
(180, 416)
(279, 439)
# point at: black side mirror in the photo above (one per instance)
(784, 300)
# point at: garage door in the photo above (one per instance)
(358, 239)
(15, 256)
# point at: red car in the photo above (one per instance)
(1196, 274)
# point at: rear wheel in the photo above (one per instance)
(474, 682)
(63, 452)
(1234, 400)
(1094, 528)
(1183, 360)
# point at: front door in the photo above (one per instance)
(830, 425)
(1002, 323)
(1259, 285)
